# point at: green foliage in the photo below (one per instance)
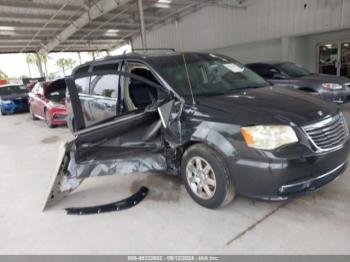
(64, 63)
(70, 62)
(3, 75)
(30, 59)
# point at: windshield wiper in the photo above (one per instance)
(209, 94)
(246, 87)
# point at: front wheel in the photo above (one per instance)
(206, 177)
(32, 115)
(48, 119)
(3, 113)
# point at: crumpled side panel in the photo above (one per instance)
(70, 174)
(137, 163)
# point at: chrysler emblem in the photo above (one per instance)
(320, 113)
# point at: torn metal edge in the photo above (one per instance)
(57, 176)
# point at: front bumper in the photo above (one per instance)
(15, 106)
(312, 184)
(338, 96)
(59, 117)
(271, 176)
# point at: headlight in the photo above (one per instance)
(268, 137)
(332, 86)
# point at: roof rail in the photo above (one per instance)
(154, 49)
(148, 49)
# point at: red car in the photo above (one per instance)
(47, 102)
(31, 85)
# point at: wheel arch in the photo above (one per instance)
(214, 140)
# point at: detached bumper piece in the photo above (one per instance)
(312, 184)
(116, 206)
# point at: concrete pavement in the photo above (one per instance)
(167, 221)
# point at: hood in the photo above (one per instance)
(268, 105)
(13, 97)
(326, 79)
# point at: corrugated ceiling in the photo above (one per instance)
(53, 25)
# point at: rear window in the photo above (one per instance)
(294, 70)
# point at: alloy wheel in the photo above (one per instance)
(201, 177)
(48, 118)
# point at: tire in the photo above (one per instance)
(3, 113)
(32, 115)
(214, 169)
(48, 119)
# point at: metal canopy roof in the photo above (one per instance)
(85, 25)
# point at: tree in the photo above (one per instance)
(52, 76)
(33, 59)
(3, 75)
(44, 59)
(79, 56)
(30, 59)
(62, 63)
(70, 62)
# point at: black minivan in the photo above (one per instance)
(205, 117)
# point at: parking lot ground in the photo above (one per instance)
(168, 221)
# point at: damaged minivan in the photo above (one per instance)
(204, 117)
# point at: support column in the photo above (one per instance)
(293, 49)
(142, 25)
(286, 48)
(131, 43)
(40, 66)
(79, 56)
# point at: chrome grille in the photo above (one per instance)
(328, 134)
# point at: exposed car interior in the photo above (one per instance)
(138, 94)
(136, 131)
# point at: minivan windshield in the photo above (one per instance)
(206, 74)
(294, 70)
(12, 90)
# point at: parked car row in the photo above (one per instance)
(44, 100)
(328, 87)
(205, 117)
(47, 101)
(13, 98)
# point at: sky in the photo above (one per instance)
(15, 66)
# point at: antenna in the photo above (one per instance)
(184, 59)
(188, 78)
